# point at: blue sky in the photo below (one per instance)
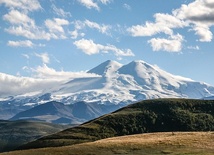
(44, 38)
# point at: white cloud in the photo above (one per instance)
(11, 85)
(164, 23)
(197, 16)
(23, 25)
(173, 44)
(56, 24)
(203, 32)
(90, 48)
(89, 4)
(29, 32)
(44, 78)
(149, 29)
(44, 57)
(18, 18)
(24, 5)
(79, 25)
(45, 72)
(200, 15)
(105, 1)
(60, 12)
(127, 7)
(101, 28)
(193, 47)
(74, 34)
(92, 4)
(25, 43)
(26, 56)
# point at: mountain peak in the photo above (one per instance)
(135, 67)
(106, 67)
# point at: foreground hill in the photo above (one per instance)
(160, 115)
(191, 143)
(16, 133)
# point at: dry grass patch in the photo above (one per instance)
(188, 143)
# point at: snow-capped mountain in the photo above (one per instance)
(114, 83)
(135, 81)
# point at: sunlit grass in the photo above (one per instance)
(178, 143)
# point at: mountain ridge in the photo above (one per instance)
(59, 113)
(113, 83)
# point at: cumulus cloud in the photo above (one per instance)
(44, 57)
(173, 44)
(25, 43)
(18, 18)
(198, 16)
(24, 5)
(164, 23)
(23, 25)
(90, 48)
(60, 12)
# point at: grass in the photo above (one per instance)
(163, 143)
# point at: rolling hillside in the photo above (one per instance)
(159, 115)
(16, 133)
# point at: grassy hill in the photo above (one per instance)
(159, 115)
(16, 133)
(177, 143)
